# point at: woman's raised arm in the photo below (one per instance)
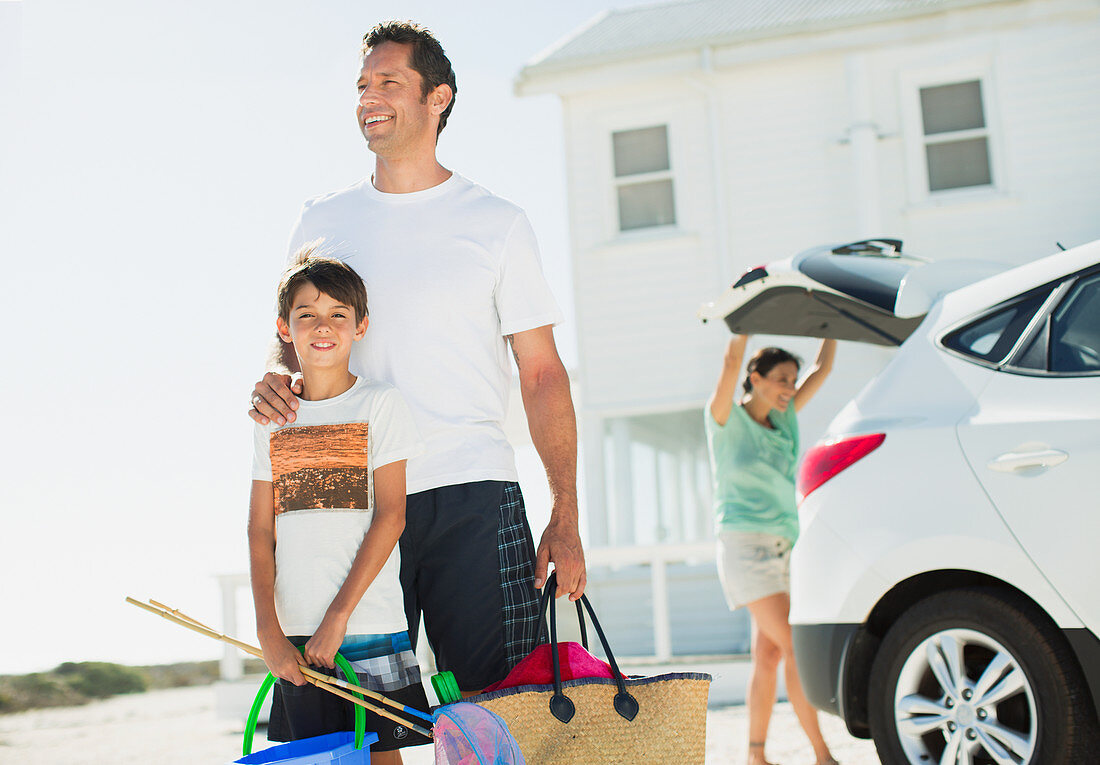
(720, 403)
(823, 365)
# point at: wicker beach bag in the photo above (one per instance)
(660, 719)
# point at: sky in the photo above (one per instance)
(153, 157)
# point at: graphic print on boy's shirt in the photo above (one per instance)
(321, 467)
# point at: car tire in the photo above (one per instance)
(973, 670)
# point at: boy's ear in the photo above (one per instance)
(282, 329)
(361, 329)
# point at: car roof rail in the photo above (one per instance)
(881, 246)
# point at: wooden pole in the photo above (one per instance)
(325, 682)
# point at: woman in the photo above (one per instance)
(753, 451)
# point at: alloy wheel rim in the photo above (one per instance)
(963, 699)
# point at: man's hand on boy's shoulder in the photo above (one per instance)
(275, 398)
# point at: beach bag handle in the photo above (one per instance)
(269, 681)
(560, 705)
(542, 618)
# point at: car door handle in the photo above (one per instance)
(1012, 461)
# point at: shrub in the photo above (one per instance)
(40, 689)
(100, 679)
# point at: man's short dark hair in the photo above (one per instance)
(427, 57)
(333, 277)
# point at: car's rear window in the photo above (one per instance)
(874, 279)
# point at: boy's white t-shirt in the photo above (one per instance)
(321, 468)
(450, 271)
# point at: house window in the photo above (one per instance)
(956, 136)
(643, 178)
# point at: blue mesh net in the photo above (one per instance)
(466, 734)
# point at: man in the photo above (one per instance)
(454, 277)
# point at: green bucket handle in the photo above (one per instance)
(265, 687)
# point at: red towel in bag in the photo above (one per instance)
(537, 668)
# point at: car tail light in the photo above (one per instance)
(826, 460)
(757, 272)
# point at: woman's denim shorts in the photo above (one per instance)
(752, 566)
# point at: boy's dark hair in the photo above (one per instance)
(427, 57)
(333, 277)
(766, 359)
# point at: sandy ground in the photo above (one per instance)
(179, 727)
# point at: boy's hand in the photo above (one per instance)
(283, 659)
(275, 398)
(322, 647)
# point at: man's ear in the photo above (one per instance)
(282, 329)
(440, 98)
(361, 329)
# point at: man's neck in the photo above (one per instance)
(320, 384)
(404, 176)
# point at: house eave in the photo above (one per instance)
(546, 75)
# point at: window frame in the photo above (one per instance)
(619, 181)
(1057, 299)
(1018, 343)
(1060, 289)
(911, 83)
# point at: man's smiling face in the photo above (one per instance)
(394, 115)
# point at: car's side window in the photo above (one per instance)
(1075, 329)
(991, 337)
(1034, 355)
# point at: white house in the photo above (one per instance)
(705, 137)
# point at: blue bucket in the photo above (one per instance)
(344, 747)
(319, 750)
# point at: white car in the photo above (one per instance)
(946, 584)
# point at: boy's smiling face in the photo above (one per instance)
(322, 329)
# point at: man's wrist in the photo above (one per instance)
(564, 510)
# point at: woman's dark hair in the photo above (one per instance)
(426, 58)
(766, 359)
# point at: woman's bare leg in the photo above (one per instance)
(763, 677)
(770, 616)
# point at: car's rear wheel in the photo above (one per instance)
(978, 676)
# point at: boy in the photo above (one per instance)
(330, 487)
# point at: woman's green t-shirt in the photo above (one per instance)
(753, 469)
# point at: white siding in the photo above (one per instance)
(762, 168)
(787, 176)
(636, 292)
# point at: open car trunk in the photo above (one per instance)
(866, 291)
(811, 313)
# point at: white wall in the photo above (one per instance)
(762, 169)
(787, 182)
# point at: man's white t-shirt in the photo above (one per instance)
(450, 271)
(321, 467)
